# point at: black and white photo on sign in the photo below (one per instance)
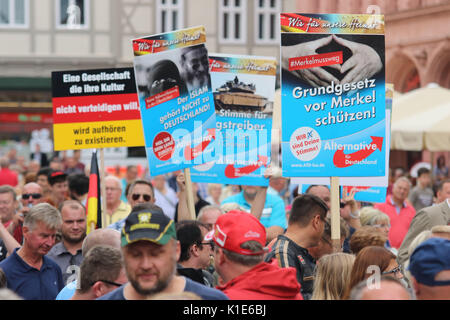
(187, 68)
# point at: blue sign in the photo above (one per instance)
(244, 90)
(175, 97)
(333, 98)
(367, 194)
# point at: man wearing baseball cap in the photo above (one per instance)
(240, 240)
(430, 267)
(151, 251)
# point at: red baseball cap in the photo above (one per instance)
(234, 228)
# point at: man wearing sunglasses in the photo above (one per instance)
(101, 271)
(195, 253)
(140, 191)
(31, 196)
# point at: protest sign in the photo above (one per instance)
(95, 109)
(244, 90)
(175, 98)
(333, 95)
(369, 189)
(361, 193)
(366, 194)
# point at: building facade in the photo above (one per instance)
(38, 37)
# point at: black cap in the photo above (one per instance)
(148, 222)
(56, 176)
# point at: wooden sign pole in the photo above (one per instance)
(189, 194)
(335, 215)
(103, 187)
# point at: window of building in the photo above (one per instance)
(267, 21)
(232, 21)
(72, 14)
(169, 15)
(14, 13)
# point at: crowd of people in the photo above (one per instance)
(246, 242)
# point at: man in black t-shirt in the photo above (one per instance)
(305, 228)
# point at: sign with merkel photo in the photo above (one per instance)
(95, 109)
(333, 95)
(244, 90)
(175, 98)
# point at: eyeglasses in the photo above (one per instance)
(399, 269)
(33, 195)
(210, 244)
(109, 282)
(136, 196)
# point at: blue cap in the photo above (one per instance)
(428, 259)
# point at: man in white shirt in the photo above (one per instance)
(165, 197)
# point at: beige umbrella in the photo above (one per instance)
(417, 101)
(428, 129)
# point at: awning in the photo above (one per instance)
(421, 120)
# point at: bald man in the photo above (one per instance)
(389, 289)
(107, 237)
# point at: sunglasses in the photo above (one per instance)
(209, 243)
(395, 270)
(136, 196)
(108, 282)
(33, 195)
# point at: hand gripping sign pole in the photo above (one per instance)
(335, 215)
(189, 194)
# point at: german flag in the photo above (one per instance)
(94, 209)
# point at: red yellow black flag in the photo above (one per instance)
(94, 210)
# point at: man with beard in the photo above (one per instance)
(195, 66)
(29, 273)
(67, 253)
(267, 208)
(151, 251)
